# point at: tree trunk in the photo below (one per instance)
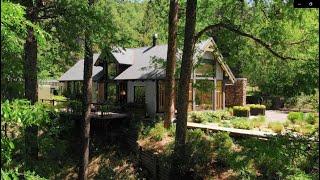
(86, 104)
(183, 91)
(171, 63)
(31, 85)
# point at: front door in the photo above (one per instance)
(218, 94)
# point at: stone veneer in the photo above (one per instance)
(236, 94)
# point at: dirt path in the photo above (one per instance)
(275, 116)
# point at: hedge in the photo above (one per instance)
(257, 109)
(241, 111)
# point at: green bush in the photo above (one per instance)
(241, 123)
(158, 132)
(241, 111)
(276, 127)
(223, 145)
(257, 109)
(209, 116)
(258, 121)
(295, 117)
(199, 148)
(198, 117)
(310, 118)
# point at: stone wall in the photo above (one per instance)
(236, 94)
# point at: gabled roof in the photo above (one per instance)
(144, 67)
(75, 73)
(142, 61)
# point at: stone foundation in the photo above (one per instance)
(236, 93)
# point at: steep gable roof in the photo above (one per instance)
(75, 73)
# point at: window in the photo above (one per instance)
(205, 68)
(204, 94)
(139, 94)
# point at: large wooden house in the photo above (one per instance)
(136, 75)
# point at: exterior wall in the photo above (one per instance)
(150, 90)
(236, 93)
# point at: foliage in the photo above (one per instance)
(21, 112)
(241, 111)
(256, 106)
(258, 121)
(158, 132)
(304, 102)
(14, 174)
(295, 116)
(279, 157)
(76, 106)
(310, 118)
(200, 149)
(241, 123)
(222, 146)
(209, 116)
(277, 127)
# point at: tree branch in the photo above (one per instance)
(229, 27)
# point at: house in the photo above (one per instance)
(135, 75)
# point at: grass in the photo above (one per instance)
(258, 121)
(241, 123)
(276, 127)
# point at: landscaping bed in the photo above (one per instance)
(297, 122)
(218, 156)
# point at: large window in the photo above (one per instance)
(205, 68)
(204, 94)
(139, 94)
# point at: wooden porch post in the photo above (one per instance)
(214, 94)
(223, 91)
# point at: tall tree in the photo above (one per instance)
(184, 85)
(30, 77)
(171, 62)
(86, 103)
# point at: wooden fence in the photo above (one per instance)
(147, 158)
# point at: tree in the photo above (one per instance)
(171, 63)
(184, 81)
(189, 42)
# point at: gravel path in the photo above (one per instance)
(275, 116)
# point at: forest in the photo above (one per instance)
(269, 42)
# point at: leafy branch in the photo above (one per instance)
(232, 28)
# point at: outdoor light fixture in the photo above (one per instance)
(123, 93)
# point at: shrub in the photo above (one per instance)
(222, 143)
(295, 117)
(198, 117)
(258, 121)
(158, 132)
(257, 109)
(276, 127)
(310, 118)
(241, 111)
(241, 123)
(306, 129)
(200, 149)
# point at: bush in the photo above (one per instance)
(158, 132)
(198, 117)
(276, 127)
(222, 144)
(310, 118)
(306, 129)
(241, 123)
(295, 117)
(257, 109)
(258, 121)
(200, 149)
(241, 111)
